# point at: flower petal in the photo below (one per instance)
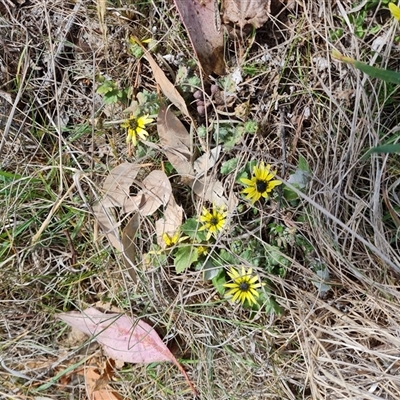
(395, 11)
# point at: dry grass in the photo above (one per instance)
(343, 345)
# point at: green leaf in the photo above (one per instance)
(219, 281)
(385, 148)
(289, 194)
(386, 75)
(106, 87)
(228, 135)
(277, 261)
(251, 126)
(323, 275)
(210, 271)
(228, 257)
(191, 229)
(185, 256)
(303, 164)
(273, 307)
(111, 98)
(229, 166)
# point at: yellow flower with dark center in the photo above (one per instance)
(261, 183)
(176, 238)
(244, 286)
(213, 222)
(171, 240)
(395, 11)
(136, 127)
(202, 250)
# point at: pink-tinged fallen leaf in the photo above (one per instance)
(202, 22)
(123, 339)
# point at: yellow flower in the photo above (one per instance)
(134, 40)
(394, 10)
(136, 128)
(244, 286)
(202, 250)
(213, 221)
(261, 183)
(174, 239)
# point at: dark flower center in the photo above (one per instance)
(244, 287)
(133, 124)
(214, 221)
(261, 186)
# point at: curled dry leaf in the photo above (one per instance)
(129, 245)
(203, 25)
(156, 192)
(253, 13)
(175, 141)
(171, 221)
(165, 84)
(116, 194)
(117, 183)
(123, 339)
(97, 387)
(106, 219)
(213, 190)
(207, 160)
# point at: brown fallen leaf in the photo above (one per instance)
(117, 183)
(170, 223)
(213, 190)
(165, 84)
(116, 194)
(97, 387)
(122, 338)
(129, 245)
(108, 223)
(203, 25)
(175, 141)
(207, 160)
(156, 191)
(246, 14)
